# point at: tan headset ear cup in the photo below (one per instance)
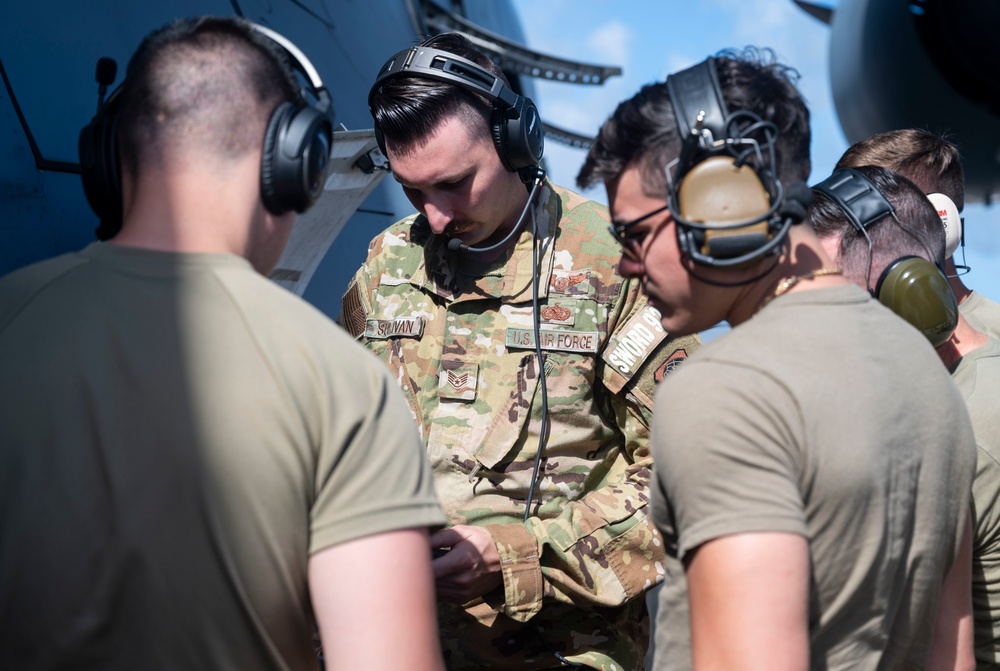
(916, 290)
(717, 192)
(950, 219)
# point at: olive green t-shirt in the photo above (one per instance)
(982, 313)
(978, 378)
(826, 416)
(177, 436)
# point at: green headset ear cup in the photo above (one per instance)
(916, 290)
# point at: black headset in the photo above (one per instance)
(514, 123)
(729, 207)
(296, 150)
(914, 288)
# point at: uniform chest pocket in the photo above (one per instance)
(485, 417)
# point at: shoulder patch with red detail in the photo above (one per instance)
(676, 358)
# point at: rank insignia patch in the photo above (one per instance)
(458, 381)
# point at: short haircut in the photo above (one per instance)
(206, 83)
(928, 160)
(408, 109)
(914, 231)
(643, 132)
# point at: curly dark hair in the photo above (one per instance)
(643, 130)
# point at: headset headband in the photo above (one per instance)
(448, 67)
(857, 196)
(515, 126)
(728, 206)
(300, 58)
(698, 102)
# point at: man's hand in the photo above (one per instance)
(470, 569)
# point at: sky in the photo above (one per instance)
(649, 39)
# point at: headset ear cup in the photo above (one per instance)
(950, 219)
(295, 158)
(916, 290)
(380, 141)
(498, 130)
(269, 186)
(525, 141)
(99, 167)
(715, 192)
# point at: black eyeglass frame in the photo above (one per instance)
(630, 245)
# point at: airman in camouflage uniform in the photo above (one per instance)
(459, 342)
(455, 327)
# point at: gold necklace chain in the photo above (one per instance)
(789, 282)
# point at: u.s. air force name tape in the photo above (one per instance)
(640, 336)
(552, 340)
(401, 327)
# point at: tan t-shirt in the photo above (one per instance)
(982, 313)
(827, 416)
(177, 436)
(978, 378)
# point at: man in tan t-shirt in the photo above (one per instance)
(196, 467)
(812, 466)
(972, 357)
(935, 166)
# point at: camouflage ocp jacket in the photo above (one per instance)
(459, 340)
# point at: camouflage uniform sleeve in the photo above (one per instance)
(603, 549)
(355, 304)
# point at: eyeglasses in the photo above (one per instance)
(631, 244)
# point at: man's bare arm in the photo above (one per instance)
(749, 597)
(952, 647)
(374, 602)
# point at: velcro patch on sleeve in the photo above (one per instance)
(629, 348)
(400, 327)
(553, 340)
(352, 312)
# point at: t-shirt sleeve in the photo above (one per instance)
(372, 474)
(726, 447)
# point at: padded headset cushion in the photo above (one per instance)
(270, 189)
(498, 129)
(99, 169)
(519, 141)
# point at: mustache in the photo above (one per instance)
(458, 227)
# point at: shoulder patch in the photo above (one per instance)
(352, 311)
(629, 347)
(676, 358)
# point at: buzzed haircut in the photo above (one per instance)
(914, 231)
(928, 160)
(207, 83)
(408, 109)
(643, 132)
